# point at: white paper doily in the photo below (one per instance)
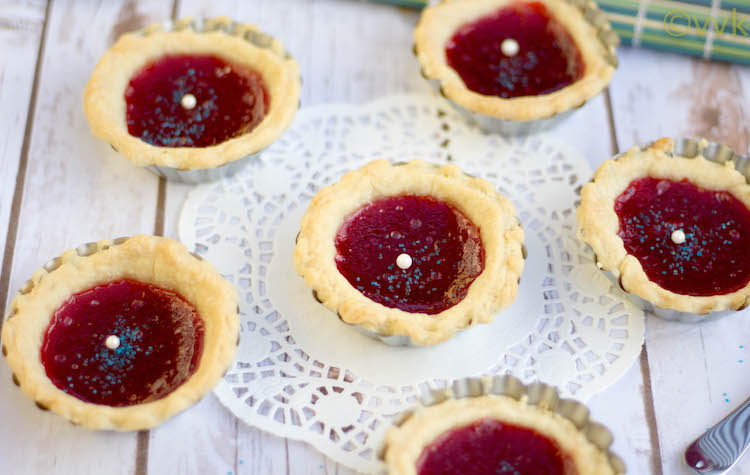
(302, 373)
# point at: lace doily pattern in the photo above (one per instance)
(303, 374)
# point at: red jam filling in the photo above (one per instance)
(230, 100)
(160, 343)
(712, 260)
(444, 246)
(547, 58)
(490, 446)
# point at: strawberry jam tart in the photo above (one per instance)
(122, 334)
(192, 99)
(411, 250)
(673, 229)
(498, 430)
(516, 60)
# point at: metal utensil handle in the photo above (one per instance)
(717, 450)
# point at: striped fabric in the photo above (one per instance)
(711, 29)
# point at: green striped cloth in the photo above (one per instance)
(718, 29)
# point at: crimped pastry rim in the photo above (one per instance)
(502, 237)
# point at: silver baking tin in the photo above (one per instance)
(203, 175)
(690, 148)
(608, 38)
(392, 340)
(535, 394)
(201, 25)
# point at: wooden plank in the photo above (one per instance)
(21, 26)
(76, 190)
(696, 373)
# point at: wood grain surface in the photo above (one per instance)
(61, 187)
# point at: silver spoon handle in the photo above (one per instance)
(719, 448)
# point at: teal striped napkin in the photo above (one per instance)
(718, 29)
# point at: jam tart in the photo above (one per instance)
(411, 253)
(511, 65)
(194, 99)
(498, 425)
(122, 334)
(671, 226)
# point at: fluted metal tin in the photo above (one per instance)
(202, 175)
(714, 152)
(608, 38)
(84, 250)
(535, 394)
(200, 25)
(390, 340)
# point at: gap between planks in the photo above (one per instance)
(655, 461)
(15, 209)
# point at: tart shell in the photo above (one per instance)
(104, 96)
(586, 24)
(598, 224)
(158, 261)
(504, 398)
(495, 216)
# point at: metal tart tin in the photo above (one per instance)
(690, 148)
(608, 38)
(390, 340)
(199, 25)
(536, 394)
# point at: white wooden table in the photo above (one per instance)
(60, 187)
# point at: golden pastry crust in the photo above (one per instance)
(159, 261)
(404, 444)
(439, 22)
(104, 96)
(598, 223)
(495, 216)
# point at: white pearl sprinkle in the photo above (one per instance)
(403, 261)
(189, 101)
(509, 47)
(112, 342)
(678, 236)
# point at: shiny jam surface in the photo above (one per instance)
(160, 344)
(230, 100)
(445, 248)
(547, 58)
(492, 447)
(713, 258)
